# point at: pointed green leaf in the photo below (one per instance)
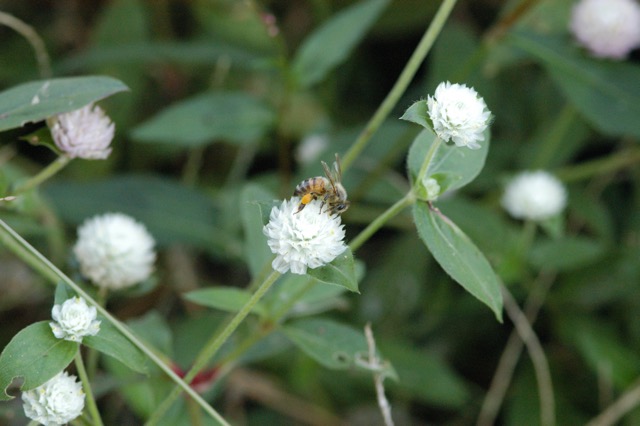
(111, 342)
(38, 100)
(332, 344)
(452, 166)
(418, 113)
(233, 117)
(36, 355)
(223, 298)
(340, 272)
(607, 93)
(330, 45)
(458, 256)
(256, 250)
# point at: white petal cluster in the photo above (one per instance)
(458, 114)
(534, 196)
(114, 251)
(74, 319)
(607, 28)
(308, 239)
(84, 133)
(56, 402)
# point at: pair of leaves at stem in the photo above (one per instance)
(453, 167)
(36, 355)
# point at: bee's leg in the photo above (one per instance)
(306, 199)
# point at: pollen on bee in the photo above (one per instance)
(306, 198)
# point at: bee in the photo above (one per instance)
(329, 189)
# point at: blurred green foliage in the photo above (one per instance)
(222, 95)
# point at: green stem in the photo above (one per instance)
(214, 344)
(86, 387)
(26, 31)
(377, 223)
(600, 166)
(44, 174)
(401, 84)
(32, 257)
(428, 159)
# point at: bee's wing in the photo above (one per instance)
(330, 176)
(338, 167)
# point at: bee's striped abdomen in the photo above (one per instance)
(316, 185)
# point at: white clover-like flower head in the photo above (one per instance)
(114, 251)
(534, 196)
(458, 114)
(607, 28)
(85, 133)
(308, 239)
(56, 402)
(74, 319)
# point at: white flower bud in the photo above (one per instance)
(114, 251)
(607, 28)
(85, 133)
(534, 196)
(308, 239)
(56, 402)
(459, 114)
(431, 187)
(74, 320)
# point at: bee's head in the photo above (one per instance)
(341, 207)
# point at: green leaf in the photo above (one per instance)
(38, 100)
(223, 298)
(256, 250)
(234, 117)
(111, 342)
(340, 272)
(172, 212)
(458, 256)
(424, 374)
(63, 293)
(331, 44)
(36, 355)
(332, 344)
(452, 166)
(418, 113)
(607, 93)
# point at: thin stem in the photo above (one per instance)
(600, 166)
(86, 387)
(44, 174)
(539, 360)
(510, 356)
(378, 378)
(214, 344)
(32, 257)
(401, 84)
(377, 223)
(428, 159)
(627, 402)
(26, 31)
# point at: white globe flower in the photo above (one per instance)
(85, 133)
(534, 196)
(459, 114)
(56, 402)
(607, 28)
(74, 319)
(308, 239)
(114, 251)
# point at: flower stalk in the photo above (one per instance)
(86, 387)
(41, 177)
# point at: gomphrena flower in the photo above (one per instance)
(458, 114)
(74, 319)
(114, 251)
(534, 196)
(56, 402)
(308, 239)
(84, 133)
(607, 28)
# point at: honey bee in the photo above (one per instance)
(329, 189)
